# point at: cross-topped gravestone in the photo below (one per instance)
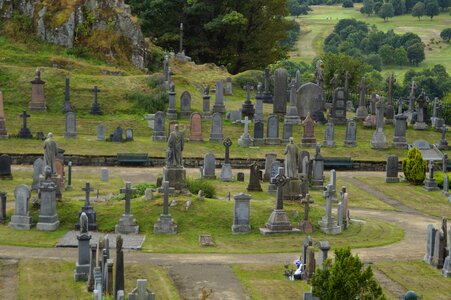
(95, 107)
(165, 223)
(379, 140)
(305, 226)
(88, 209)
(141, 292)
(127, 224)
(292, 116)
(430, 184)
(443, 143)
(226, 170)
(422, 101)
(245, 140)
(327, 224)
(37, 102)
(24, 131)
(267, 96)
(247, 109)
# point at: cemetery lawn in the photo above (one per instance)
(266, 281)
(424, 279)
(59, 274)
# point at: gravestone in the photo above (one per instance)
(351, 133)
(362, 110)
(443, 143)
(310, 263)
(165, 223)
(254, 178)
(305, 226)
(241, 213)
(95, 107)
(117, 135)
(219, 106)
(185, 105)
(226, 170)
(275, 165)
(287, 132)
(324, 247)
(344, 201)
(308, 139)
(195, 134)
(269, 159)
(3, 207)
(104, 174)
(399, 137)
(247, 107)
(128, 134)
(329, 136)
(430, 184)
(38, 169)
(258, 132)
(21, 218)
(267, 96)
(209, 166)
(280, 91)
(127, 224)
(119, 267)
(71, 127)
(141, 292)
(327, 224)
(48, 217)
(245, 140)
(206, 103)
(234, 116)
(392, 169)
(101, 132)
(338, 110)
(379, 140)
(159, 131)
(272, 131)
(439, 249)
(24, 132)
(228, 88)
(349, 106)
(258, 116)
(422, 101)
(88, 210)
(5, 167)
(67, 106)
(292, 116)
(171, 112)
(317, 170)
(3, 130)
(84, 251)
(310, 98)
(216, 134)
(37, 102)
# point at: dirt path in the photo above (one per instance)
(9, 280)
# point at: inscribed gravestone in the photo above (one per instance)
(399, 138)
(196, 128)
(185, 104)
(5, 167)
(287, 132)
(37, 102)
(338, 110)
(272, 131)
(219, 106)
(21, 218)
(228, 89)
(209, 166)
(71, 125)
(216, 134)
(392, 169)
(308, 139)
(309, 98)
(258, 133)
(101, 131)
(159, 131)
(48, 218)
(351, 134)
(241, 215)
(117, 135)
(329, 135)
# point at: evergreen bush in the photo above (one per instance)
(194, 185)
(414, 166)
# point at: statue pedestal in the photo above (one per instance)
(176, 177)
(278, 223)
(127, 224)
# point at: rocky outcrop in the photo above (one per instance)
(63, 24)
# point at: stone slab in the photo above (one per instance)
(131, 241)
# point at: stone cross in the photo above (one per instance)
(24, 117)
(280, 180)
(246, 123)
(306, 201)
(95, 90)
(88, 189)
(400, 103)
(166, 190)
(327, 196)
(413, 87)
(128, 191)
(266, 76)
(227, 143)
(362, 91)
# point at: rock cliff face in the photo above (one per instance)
(65, 22)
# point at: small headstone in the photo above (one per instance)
(185, 105)
(240, 176)
(258, 132)
(399, 137)
(159, 131)
(338, 110)
(206, 240)
(101, 132)
(254, 178)
(241, 213)
(272, 131)
(274, 169)
(362, 110)
(71, 127)
(117, 135)
(216, 134)
(21, 218)
(329, 136)
(228, 88)
(5, 167)
(195, 134)
(148, 194)
(104, 174)
(392, 169)
(351, 133)
(141, 292)
(308, 139)
(24, 132)
(129, 134)
(95, 106)
(209, 166)
(38, 169)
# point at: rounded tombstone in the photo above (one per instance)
(392, 169)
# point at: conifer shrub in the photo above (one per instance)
(414, 166)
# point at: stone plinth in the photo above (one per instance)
(92, 217)
(329, 226)
(20, 222)
(241, 214)
(292, 189)
(430, 185)
(127, 225)
(82, 265)
(176, 177)
(278, 223)
(165, 225)
(48, 218)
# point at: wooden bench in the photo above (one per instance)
(337, 162)
(133, 158)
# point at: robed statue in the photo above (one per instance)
(174, 151)
(50, 152)
(291, 160)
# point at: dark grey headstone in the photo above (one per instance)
(5, 167)
(272, 130)
(185, 104)
(71, 127)
(240, 176)
(351, 133)
(38, 169)
(392, 169)
(258, 130)
(241, 215)
(216, 134)
(280, 91)
(101, 131)
(117, 135)
(209, 166)
(159, 131)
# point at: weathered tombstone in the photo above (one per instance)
(216, 134)
(24, 132)
(206, 103)
(443, 143)
(21, 218)
(171, 112)
(241, 213)
(269, 159)
(165, 223)
(67, 106)
(430, 243)
(422, 101)
(275, 165)
(219, 106)
(247, 108)
(240, 176)
(129, 134)
(3, 131)
(254, 178)
(329, 135)
(379, 140)
(287, 132)
(38, 169)
(226, 170)
(119, 272)
(234, 116)
(399, 137)
(258, 116)
(292, 116)
(141, 292)
(362, 110)
(228, 88)
(118, 135)
(104, 174)
(3, 207)
(305, 226)
(272, 131)
(101, 132)
(338, 110)
(327, 224)
(351, 133)
(71, 127)
(159, 131)
(392, 169)
(88, 209)
(185, 105)
(344, 200)
(267, 96)
(48, 217)
(439, 249)
(324, 246)
(258, 132)
(195, 134)
(245, 140)
(430, 184)
(5, 167)
(37, 102)
(84, 250)
(308, 139)
(127, 224)
(317, 170)
(209, 166)
(310, 263)
(310, 97)
(304, 158)
(280, 91)
(95, 106)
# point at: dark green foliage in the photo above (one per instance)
(252, 77)
(293, 32)
(431, 8)
(418, 10)
(296, 8)
(415, 53)
(375, 61)
(306, 70)
(19, 27)
(140, 191)
(195, 185)
(438, 176)
(435, 81)
(386, 11)
(444, 4)
(399, 7)
(149, 103)
(367, 7)
(347, 3)
(414, 166)
(446, 34)
(345, 279)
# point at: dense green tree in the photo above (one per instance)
(418, 10)
(347, 3)
(296, 8)
(367, 7)
(446, 34)
(399, 7)
(377, 5)
(386, 52)
(410, 4)
(414, 166)
(444, 4)
(386, 11)
(415, 53)
(340, 63)
(346, 278)
(431, 8)
(375, 61)
(435, 81)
